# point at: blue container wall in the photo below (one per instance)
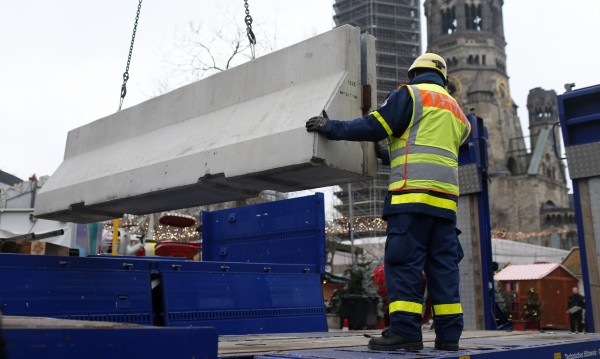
(276, 288)
(290, 231)
(74, 288)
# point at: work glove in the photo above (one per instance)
(382, 153)
(317, 123)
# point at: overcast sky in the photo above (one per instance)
(62, 61)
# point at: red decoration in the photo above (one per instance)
(178, 249)
(177, 220)
(379, 281)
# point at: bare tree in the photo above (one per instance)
(209, 52)
(199, 52)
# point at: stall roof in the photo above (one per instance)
(528, 271)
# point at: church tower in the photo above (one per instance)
(469, 34)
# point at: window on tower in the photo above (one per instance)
(473, 17)
(449, 22)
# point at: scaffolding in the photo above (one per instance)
(365, 205)
(396, 26)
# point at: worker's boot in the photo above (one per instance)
(392, 341)
(451, 347)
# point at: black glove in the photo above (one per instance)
(382, 153)
(377, 150)
(316, 124)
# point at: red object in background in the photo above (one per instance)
(519, 324)
(533, 325)
(178, 249)
(345, 325)
(379, 281)
(140, 252)
(177, 220)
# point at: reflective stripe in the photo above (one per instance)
(399, 153)
(417, 115)
(426, 171)
(426, 199)
(410, 307)
(447, 309)
(427, 185)
(382, 122)
(448, 158)
(433, 151)
(438, 160)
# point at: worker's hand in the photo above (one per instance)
(378, 149)
(317, 123)
(382, 153)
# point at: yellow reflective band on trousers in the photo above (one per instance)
(447, 309)
(424, 198)
(410, 307)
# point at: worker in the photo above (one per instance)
(424, 127)
(575, 306)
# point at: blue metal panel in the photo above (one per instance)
(75, 288)
(583, 255)
(238, 301)
(290, 231)
(193, 266)
(579, 113)
(474, 151)
(120, 343)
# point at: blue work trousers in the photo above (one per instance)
(417, 242)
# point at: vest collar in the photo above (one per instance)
(427, 78)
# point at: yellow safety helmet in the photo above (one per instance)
(432, 61)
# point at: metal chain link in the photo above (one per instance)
(249, 32)
(126, 73)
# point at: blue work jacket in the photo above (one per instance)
(397, 111)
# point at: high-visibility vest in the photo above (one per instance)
(425, 156)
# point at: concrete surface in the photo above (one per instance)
(226, 137)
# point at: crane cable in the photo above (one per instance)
(249, 32)
(126, 73)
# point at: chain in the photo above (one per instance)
(126, 73)
(249, 32)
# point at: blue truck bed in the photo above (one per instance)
(474, 344)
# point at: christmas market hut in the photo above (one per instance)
(537, 294)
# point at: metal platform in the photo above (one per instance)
(34, 337)
(46, 337)
(474, 344)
